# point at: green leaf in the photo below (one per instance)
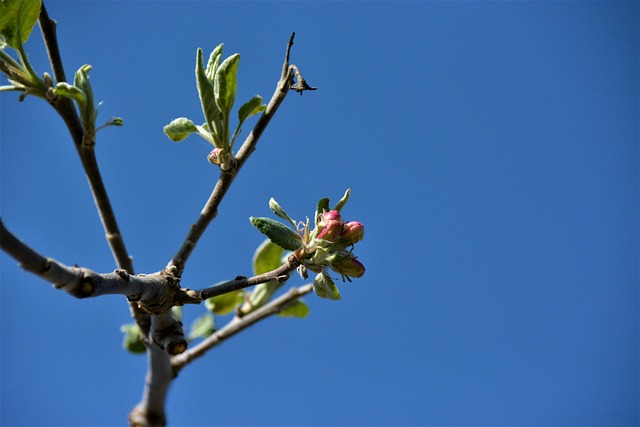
(322, 206)
(179, 129)
(214, 62)
(201, 327)
(324, 287)
(69, 91)
(225, 303)
(278, 233)
(297, 309)
(267, 257)
(277, 209)
(250, 108)
(114, 121)
(342, 201)
(208, 101)
(131, 341)
(226, 83)
(17, 19)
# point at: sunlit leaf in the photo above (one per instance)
(278, 233)
(214, 62)
(226, 83)
(17, 19)
(251, 107)
(207, 98)
(179, 129)
(277, 209)
(342, 201)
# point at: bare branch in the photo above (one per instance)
(280, 274)
(66, 110)
(150, 410)
(153, 293)
(239, 324)
(48, 29)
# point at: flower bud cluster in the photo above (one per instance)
(331, 245)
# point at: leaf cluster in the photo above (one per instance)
(217, 85)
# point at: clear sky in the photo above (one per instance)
(492, 153)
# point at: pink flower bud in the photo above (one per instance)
(352, 232)
(346, 264)
(330, 226)
(215, 156)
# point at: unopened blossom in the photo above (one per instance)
(330, 226)
(352, 232)
(346, 264)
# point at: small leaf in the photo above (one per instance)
(226, 83)
(251, 107)
(214, 62)
(17, 19)
(297, 309)
(69, 91)
(324, 287)
(277, 209)
(201, 327)
(131, 341)
(208, 100)
(321, 207)
(278, 233)
(225, 303)
(179, 129)
(267, 257)
(114, 121)
(342, 201)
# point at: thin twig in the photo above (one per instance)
(48, 29)
(239, 324)
(280, 274)
(177, 263)
(65, 108)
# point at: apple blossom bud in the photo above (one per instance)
(330, 226)
(346, 264)
(352, 232)
(215, 156)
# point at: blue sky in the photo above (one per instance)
(492, 153)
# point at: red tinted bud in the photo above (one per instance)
(215, 156)
(352, 232)
(330, 226)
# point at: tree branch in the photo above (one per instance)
(65, 108)
(239, 324)
(177, 263)
(150, 410)
(280, 274)
(154, 293)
